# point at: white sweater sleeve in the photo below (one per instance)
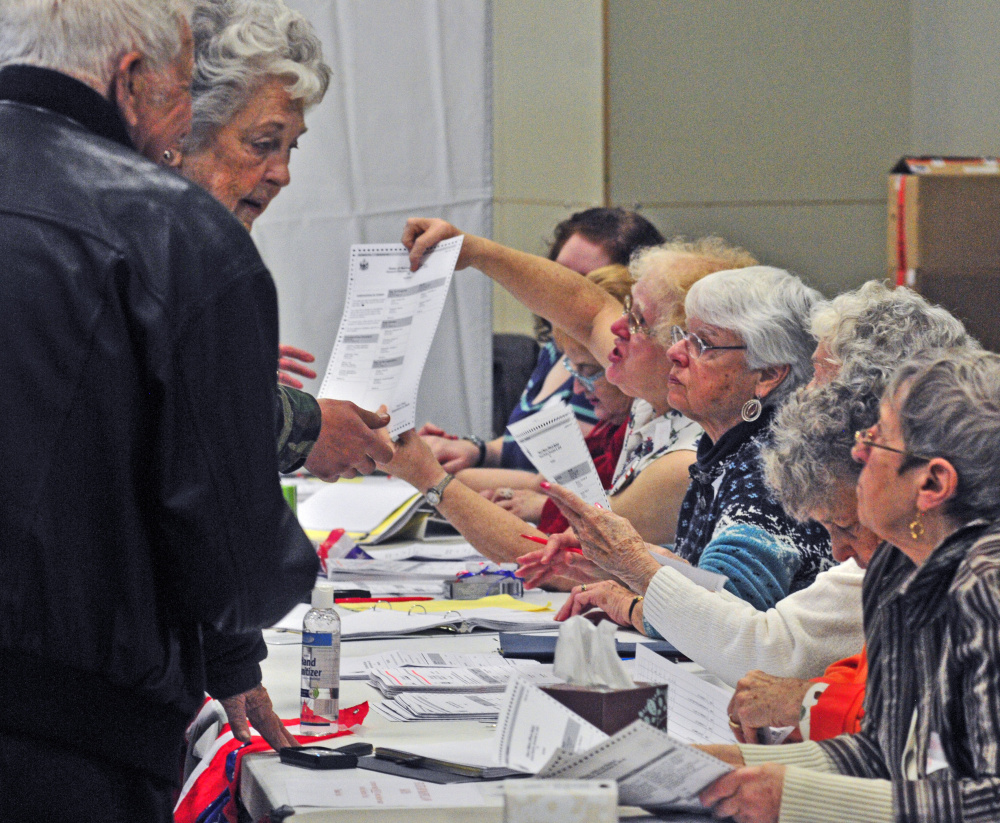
(799, 637)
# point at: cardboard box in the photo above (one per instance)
(943, 237)
(612, 711)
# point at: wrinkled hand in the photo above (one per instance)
(414, 462)
(539, 567)
(609, 596)
(606, 538)
(748, 795)
(726, 752)
(524, 503)
(348, 443)
(421, 233)
(453, 455)
(765, 700)
(255, 706)
(287, 357)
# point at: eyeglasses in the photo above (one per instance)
(636, 325)
(864, 437)
(588, 381)
(696, 344)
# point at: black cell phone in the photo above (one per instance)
(317, 757)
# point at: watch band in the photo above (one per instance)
(480, 444)
(434, 494)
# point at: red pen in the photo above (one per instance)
(543, 541)
(379, 599)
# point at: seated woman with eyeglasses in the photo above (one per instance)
(651, 474)
(929, 745)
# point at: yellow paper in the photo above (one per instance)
(502, 601)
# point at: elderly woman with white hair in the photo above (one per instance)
(929, 746)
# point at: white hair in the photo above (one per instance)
(769, 309)
(88, 37)
(238, 44)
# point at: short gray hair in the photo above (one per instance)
(238, 44)
(88, 37)
(808, 457)
(875, 327)
(769, 309)
(949, 406)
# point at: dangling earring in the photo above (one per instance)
(916, 527)
(751, 410)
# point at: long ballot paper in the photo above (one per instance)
(552, 440)
(390, 317)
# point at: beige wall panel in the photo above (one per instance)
(833, 248)
(956, 75)
(548, 144)
(756, 101)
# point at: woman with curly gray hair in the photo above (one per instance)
(258, 69)
(928, 750)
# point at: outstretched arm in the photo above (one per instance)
(560, 295)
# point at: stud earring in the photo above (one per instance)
(168, 156)
(751, 410)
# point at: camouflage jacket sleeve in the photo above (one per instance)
(297, 423)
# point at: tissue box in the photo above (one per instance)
(612, 711)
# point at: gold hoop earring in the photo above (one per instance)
(917, 529)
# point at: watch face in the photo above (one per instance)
(433, 497)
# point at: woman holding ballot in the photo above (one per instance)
(929, 747)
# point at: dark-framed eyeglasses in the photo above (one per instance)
(636, 325)
(865, 439)
(697, 346)
(588, 381)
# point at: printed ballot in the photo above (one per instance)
(390, 317)
(552, 440)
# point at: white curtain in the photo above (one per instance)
(403, 131)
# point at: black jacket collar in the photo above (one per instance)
(64, 95)
(711, 455)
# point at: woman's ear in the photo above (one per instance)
(938, 484)
(770, 378)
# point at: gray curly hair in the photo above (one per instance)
(769, 309)
(875, 327)
(948, 403)
(239, 44)
(808, 458)
(83, 37)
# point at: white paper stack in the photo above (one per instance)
(357, 668)
(385, 623)
(344, 569)
(410, 706)
(392, 682)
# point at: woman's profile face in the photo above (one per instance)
(712, 387)
(609, 402)
(639, 364)
(245, 164)
(848, 538)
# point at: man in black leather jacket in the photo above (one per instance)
(141, 506)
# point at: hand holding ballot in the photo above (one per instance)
(348, 443)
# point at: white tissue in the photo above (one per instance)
(586, 656)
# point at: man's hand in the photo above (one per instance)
(422, 233)
(287, 357)
(748, 795)
(253, 708)
(348, 444)
(765, 700)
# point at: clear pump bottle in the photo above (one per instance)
(320, 665)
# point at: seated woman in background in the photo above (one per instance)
(731, 382)
(929, 746)
(585, 241)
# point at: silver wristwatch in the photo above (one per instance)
(434, 493)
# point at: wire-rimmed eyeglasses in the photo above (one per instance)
(697, 346)
(588, 381)
(865, 438)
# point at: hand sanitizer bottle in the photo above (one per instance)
(320, 665)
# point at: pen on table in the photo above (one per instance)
(543, 541)
(379, 599)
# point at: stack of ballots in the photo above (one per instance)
(478, 680)
(411, 706)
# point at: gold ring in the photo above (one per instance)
(583, 588)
